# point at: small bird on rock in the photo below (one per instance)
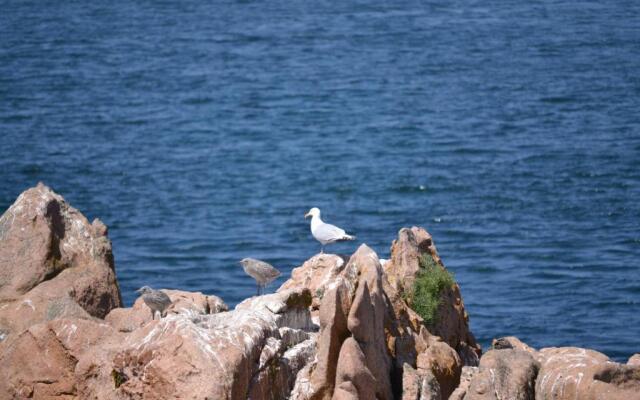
(261, 271)
(156, 300)
(323, 232)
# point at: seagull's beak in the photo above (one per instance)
(139, 291)
(307, 215)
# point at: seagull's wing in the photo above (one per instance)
(270, 270)
(328, 233)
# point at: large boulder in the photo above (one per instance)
(41, 362)
(333, 332)
(514, 370)
(441, 361)
(504, 374)
(53, 263)
(317, 274)
(367, 317)
(575, 373)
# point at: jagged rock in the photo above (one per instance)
(419, 386)
(276, 378)
(452, 323)
(445, 365)
(575, 373)
(411, 383)
(504, 374)
(333, 331)
(407, 335)
(177, 355)
(302, 386)
(41, 361)
(430, 389)
(367, 319)
(353, 372)
(387, 331)
(53, 263)
(406, 251)
(465, 381)
(316, 274)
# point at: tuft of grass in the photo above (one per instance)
(118, 378)
(425, 296)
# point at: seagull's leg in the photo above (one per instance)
(258, 289)
(153, 315)
(322, 249)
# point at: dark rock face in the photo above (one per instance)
(53, 263)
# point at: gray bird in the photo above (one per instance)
(261, 271)
(156, 300)
(325, 233)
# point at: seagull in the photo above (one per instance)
(261, 271)
(156, 300)
(325, 233)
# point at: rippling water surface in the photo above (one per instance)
(201, 134)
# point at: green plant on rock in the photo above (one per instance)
(426, 295)
(118, 378)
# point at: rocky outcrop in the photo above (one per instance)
(188, 303)
(465, 381)
(352, 311)
(245, 350)
(513, 370)
(504, 374)
(340, 328)
(53, 263)
(409, 334)
(254, 351)
(452, 324)
(571, 372)
(386, 341)
(48, 360)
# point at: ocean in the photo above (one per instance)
(202, 132)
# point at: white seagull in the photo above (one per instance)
(323, 232)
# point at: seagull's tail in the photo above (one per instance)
(347, 237)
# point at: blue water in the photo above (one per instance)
(201, 134)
